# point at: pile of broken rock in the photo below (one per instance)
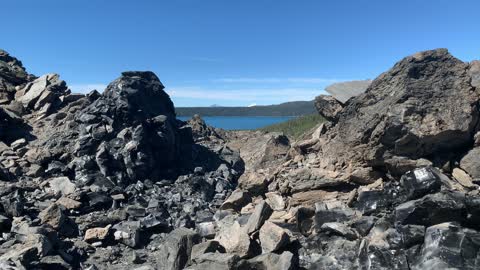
(98, 180)
(114, 180)
(390, 182)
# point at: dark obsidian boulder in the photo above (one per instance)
(411, 235)
(364, 224)
(449, 246)
(433, 209)
(473, 211)
(133, 98)
(323, 216)
(420, 182)
(380, 258)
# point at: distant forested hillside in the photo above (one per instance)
(295, 108)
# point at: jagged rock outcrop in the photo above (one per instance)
(328, 107)
(424, 107)
(43, 94)
(201, 131)
(12, 75)
(127, 134)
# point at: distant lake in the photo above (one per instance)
(240, 122)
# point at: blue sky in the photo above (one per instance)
(232, 52)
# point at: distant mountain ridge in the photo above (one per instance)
(294, 108)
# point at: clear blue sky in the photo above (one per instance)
(232, 52)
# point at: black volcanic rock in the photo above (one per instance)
(432, 209)
(114, 180)
(449, 246)
(420, 182)
(395, 150)
(132, 98)
(12, 74)
(127, 134)
(12, 127)
(130, 164)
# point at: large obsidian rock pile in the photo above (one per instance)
(110, 168)
(391, 182)
(114, 180)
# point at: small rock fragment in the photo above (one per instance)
(273, 237)
(235, 240)
(97, 234)
(62, 185)
(128, 233)
(176, 250)
(237, 200)
(275, 200)
(262, 212)
(69, 203)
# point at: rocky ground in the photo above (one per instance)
(114, 180)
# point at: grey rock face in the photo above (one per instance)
(262, 153)
(275, 201)
(405, 123)
(340, 229)
(62, 185)
(211, 246)
(127, 134)
(332, 215)
(201, 131)
(135, 96)
(475, 73)
(32, 248)
(328, 107)
(425, 105)
(400, 112)
(12, 127)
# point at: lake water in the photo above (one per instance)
(241, 122)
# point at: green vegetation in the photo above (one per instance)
(294, 108)
(294, 128)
